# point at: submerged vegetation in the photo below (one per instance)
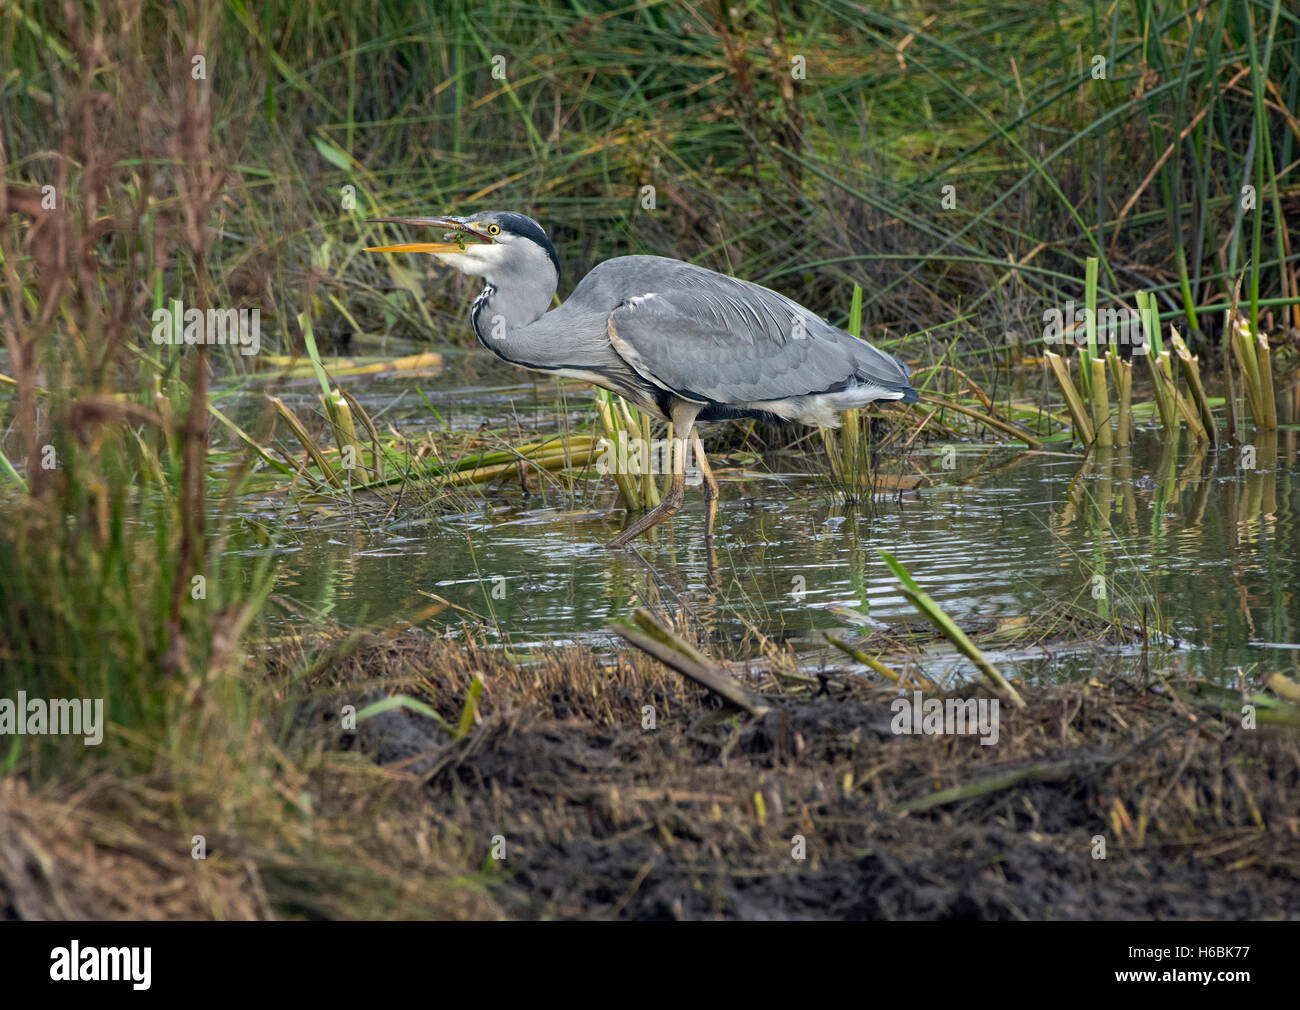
(939, 177)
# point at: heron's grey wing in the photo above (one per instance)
(733, 342)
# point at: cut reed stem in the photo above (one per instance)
(1061, 371)
(1123, 373)
(1192, 369)
(1100, 404)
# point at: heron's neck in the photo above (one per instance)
(499, 312)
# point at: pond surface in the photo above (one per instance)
(1199, 543)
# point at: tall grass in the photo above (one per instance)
(115, 585)
(810, 185)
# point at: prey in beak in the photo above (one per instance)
(459, 234)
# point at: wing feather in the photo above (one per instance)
(715, 338)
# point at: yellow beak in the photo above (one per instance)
(418, 247)
(466, 233)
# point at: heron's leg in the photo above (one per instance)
(702, 460)
(683, 420)
(669, 505)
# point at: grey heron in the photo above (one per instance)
(680, 341)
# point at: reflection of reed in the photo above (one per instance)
(1291, 406)
(1124, 463)
(1073, 499)
(1258, 498)
(1102, 465)
(1105, 473)
(1193, 472)
(1167, 492)
(1202, 501)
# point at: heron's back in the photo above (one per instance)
(734, 346)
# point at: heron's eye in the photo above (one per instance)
(494, 229)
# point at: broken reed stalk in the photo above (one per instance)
(1165, 406)
(936, 615)
(931, 610)
(642, 485)
(649, 491)
(339, 412)
(1061, 371)
(1192, 369)
(1245, 368)
(849, 435)
(550, 454)
(1243, 348)
(1100, 404)
(918, 678)
(1123, 372)
(249, 441)
(553, 444)
(1255, 360)
(1126, 403)
(1234, 424)
(1047, 771)
(377, 455)
(304, 437)
(1287, 688)
(1164, 400)
(993, 422)
(658, 640)
(614, 430)
(559, 459)
(290, 366)
(630, 423)
(1267, 400)
(1189, 413)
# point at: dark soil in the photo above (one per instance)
(699, 817)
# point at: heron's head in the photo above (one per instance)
(502, 247)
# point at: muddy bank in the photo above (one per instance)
(578, 809)
(551, 796)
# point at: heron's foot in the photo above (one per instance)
(671, 503)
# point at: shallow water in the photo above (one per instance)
(1158, 533)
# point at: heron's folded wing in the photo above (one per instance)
(739, 342)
